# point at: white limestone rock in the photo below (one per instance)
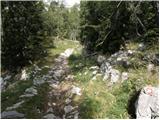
(124, 76)
(76, 90)
(115, 75)
(147, 106)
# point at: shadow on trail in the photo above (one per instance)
(131, 104)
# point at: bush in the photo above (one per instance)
(22, 33)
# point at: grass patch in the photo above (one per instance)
(11, 96)
(34, 107)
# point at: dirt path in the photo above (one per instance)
(60, 103)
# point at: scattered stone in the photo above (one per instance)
(76, 90)
(94, 78)
(50, 110)
(67, 52)
(115, 75)
(68, 109)
(76, 116)
(94, 68)
(24, 75)
(30, 92)
(106, 75)
(101, 59)
(11, 115)
(130, 52)
(70, 77)
(3, 84)
(147, 105)
(38, 81)
(49, 104)
(58, 73)
(46, 66)
(124, 76)
(54, 104)
(67, 101)
(55, 86)
(150, 68)
(141, 47)
(98, 75)
(7, 77)
(155, 60)
(86, 73)
(50, 116)
(94, 72)
(105, 67)
(15, 105)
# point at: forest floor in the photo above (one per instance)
(62, 85)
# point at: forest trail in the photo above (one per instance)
(60, 97)
(66, 84)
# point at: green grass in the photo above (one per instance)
(34, 107)
(11, 96)
(100, 101)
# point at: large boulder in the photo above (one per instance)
(147, 105)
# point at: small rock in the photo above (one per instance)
(68, 109)
(49, 104)
(53, 104)
(76, 116)
(30, 92)
(94, 68)
(94, 78)
(67, 52)
(38, 81)
(46, 66)
(150, 68)
(156, 59)
(50, 110)
(106, 75)
(24, 75)
(50, 116)
(130, 52)
(55, 86)
(27, 95)
(76, 90)
(141, 47)
(68, 101)
(124, 76)
(101, 59)
(86, 73)
(15, 105)
(7, 77)
(11, 115)
(105, 67)
(70, 77)
(94, 72)
(115, 75)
